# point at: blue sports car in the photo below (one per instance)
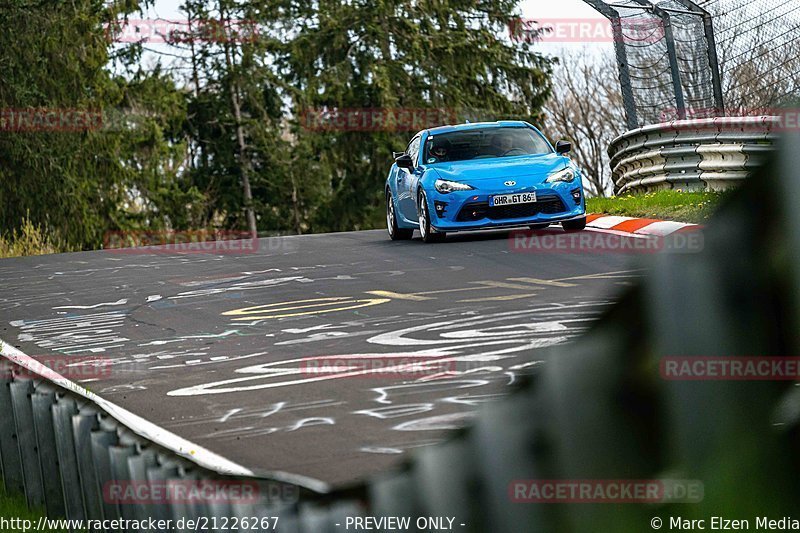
(482, 176)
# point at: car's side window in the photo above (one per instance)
(413, 150)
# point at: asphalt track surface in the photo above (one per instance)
(220, 348)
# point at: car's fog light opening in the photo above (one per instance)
(576, 195)
(440, 207)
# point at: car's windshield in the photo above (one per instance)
(484, 143)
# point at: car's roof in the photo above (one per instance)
(477, 125)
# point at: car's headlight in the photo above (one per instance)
(567, 175)
(446, 186)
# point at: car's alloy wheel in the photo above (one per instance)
(395, 233)
(425, 230)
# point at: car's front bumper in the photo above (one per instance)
(470, 210)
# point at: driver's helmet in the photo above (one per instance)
(440, 149)
(503, 141)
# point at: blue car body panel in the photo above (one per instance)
(470, 210)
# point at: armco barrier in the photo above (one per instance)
(62, 446)
(698, 154)
(597, 410)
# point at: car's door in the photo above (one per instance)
(407, 182)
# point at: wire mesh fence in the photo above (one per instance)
(683, 59)
(758, 43)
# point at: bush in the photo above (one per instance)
(30, 239)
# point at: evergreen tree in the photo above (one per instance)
(212, 136)
(451, 55)
(115, 168)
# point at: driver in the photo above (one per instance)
(439, 151)
(502, 143)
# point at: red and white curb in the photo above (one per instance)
(646, 227)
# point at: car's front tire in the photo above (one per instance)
(574, 225)
(395, 233)
(425, 229)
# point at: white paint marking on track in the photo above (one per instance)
(399, 296)
(150, 431)
(95, 306)
(547, 282)
(230, 414)
(437, 423)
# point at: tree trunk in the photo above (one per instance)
(243, 164)
(233, 90)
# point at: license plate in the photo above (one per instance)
(512, 199)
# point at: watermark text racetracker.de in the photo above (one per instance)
(779, 119)
(188, 242)
(44, 119)
(722, 368)
(585, 30)
(606, 491)
(177, 31)
(73, 120)
(382, 366)
(375, 119)
(143, 525)
(71, 367)
(154, 492)
(532, 241)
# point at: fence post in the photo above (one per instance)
(628, 100)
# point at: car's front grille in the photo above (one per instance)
(548, 205)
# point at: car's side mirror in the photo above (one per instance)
(405, 161)
(562, 147)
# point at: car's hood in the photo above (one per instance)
(502, 167)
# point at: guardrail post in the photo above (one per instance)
(446, 477)
(341, 510)
(217, 511)
(395, 495)
(180, 508)
(628, 101)
(159, 476)
(672, 55)
(311, 518)
(21, 391)
(9, 452)
(713, 60)
(121, 474)
(244, 509)
(137, 466)
(102, 441)
(504, 442)
(63, 412)
(82, 426)
(198, 508)
(789, 190)
(43, 402)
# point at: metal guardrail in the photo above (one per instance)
(62, 447)
(598, 408)
(704, 154)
